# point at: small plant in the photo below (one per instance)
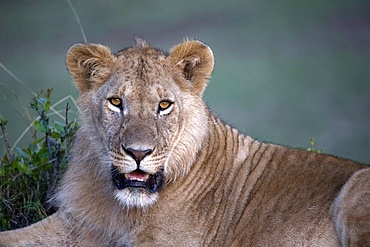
(312, 147)
(28, 177)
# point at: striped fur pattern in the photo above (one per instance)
(152, 166)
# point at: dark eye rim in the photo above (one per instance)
(116, 105)
(170, 103)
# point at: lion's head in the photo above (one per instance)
(142, 113)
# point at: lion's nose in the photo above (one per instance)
(138, 155)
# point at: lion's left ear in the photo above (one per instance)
(90, 65)
(195, 61)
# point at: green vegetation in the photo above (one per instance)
(28, 177)
(312, 147)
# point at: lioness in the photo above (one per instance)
(152, 166)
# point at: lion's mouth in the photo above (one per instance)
(137, 179)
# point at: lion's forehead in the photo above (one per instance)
(142, 74)
(144, 90)
(142, 64)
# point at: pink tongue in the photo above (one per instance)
(137, 175)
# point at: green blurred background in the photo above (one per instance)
(285, 71)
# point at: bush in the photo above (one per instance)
(29, 176)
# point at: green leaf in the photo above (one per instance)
(32, 148)
(312, 142)
(3, 121)
(47, 106)
(39, 127)
(43, 155)
(42, 102)
(56, 135)
(39, 140)
(59, 126)
(23, 167)
(23, 154)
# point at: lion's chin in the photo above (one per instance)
(136, 197)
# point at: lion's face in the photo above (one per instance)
(144, 107)
(140, 120)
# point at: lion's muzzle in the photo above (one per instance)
(137, 155)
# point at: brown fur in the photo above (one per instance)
(220, 188)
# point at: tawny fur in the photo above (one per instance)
(221, 188)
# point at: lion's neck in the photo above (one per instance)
(222, 165)
(224, 150)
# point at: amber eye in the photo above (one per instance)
(165, 105)
(116, 102)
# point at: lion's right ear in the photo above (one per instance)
(90, 65)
